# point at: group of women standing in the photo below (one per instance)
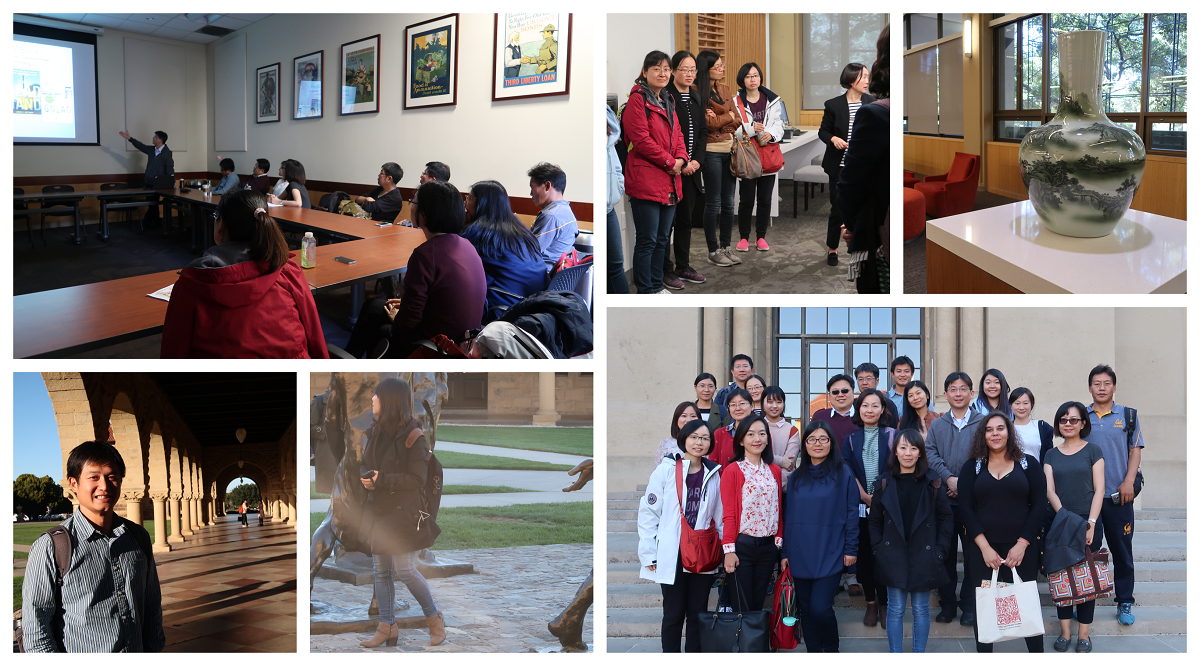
(803, 501)
(680, 124)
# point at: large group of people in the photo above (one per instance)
(243, 298)
(679, 129)
(876, 494)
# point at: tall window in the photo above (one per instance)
(1145, 74)
(832, 41)
(933, 74)
(814, 344)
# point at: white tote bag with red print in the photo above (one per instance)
(1004, 611)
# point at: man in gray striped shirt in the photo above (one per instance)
(108, 599)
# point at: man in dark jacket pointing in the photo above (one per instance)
(160, 169)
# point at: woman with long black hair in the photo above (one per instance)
(993, 394)
(1002, 497)
(752, 499)
(684, 412)
(821, 532)
(512, 258)
(660, 516)
(1037, 436)
(393, 470)
(918, 411)
(652, 170)
(695, 138)
(722, 122)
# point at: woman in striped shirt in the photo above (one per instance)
(836, 126)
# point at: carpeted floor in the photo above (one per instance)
(914, 251)
(795, 264)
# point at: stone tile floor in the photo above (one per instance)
(231, 589)
(503, 608)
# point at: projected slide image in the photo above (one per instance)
(43, 91)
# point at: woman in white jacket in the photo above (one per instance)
(685, 594)
(763, 121)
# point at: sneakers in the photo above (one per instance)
(1125, 614)
(743, 245)
(731, 256)
(672, 282)
(762, 245)
(718, 257)
(689, 275)
(664, 291)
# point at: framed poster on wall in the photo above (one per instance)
(359, 86)
(431, 63)
(308, 72)
(267, 83)
(531, 55)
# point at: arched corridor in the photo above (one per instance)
(184, 437)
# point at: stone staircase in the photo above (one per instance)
(634, 605)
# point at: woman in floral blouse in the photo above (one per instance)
(752, 497)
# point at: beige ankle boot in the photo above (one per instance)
(385, 632)
(437, 628)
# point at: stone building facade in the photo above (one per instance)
(1049, 350)
(170, 475)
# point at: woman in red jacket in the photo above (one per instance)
(752, 499)
(243, 298)
(740, 406)
(656, 158)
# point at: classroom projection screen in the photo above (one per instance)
(54, 87)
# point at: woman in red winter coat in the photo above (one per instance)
(243, 298)
(656, 158)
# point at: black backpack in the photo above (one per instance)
(333, 200)
(1130, 432)
(60, 541)
(623, 144)
(431, 492)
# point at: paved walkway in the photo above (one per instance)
(540, 456)
(504, 607)
(231, 589)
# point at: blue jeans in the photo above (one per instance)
(617, 284)
(895, 619)
(401, 567)
(718, 199)
(652, 233)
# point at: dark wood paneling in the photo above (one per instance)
(948, 273)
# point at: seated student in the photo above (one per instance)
(555, 226)
(229, 179)
(260, 181)
(295, 194)
(282, 183)
(435, 171)
(243, 298)
(511, 256)
(387, 204)
(444, 289)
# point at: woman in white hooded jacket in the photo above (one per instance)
(685, 594)
(763, 121)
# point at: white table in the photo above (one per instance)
(1145, 254)
(797, 152)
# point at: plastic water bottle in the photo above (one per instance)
(308, 251)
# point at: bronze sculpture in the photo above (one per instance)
(568, 626)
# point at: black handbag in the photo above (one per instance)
(746, 631)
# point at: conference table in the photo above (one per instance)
(73, 199)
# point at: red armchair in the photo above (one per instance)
(952, 193)
(910, 179)
(914, 214)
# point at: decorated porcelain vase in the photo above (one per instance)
(1081, 170)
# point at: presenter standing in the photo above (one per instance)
(160, 170)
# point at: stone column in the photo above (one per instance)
(545, 414)
(277, 512)
(716, 345)
(970, 340)
(185, 517)
(743, 333)
(133, 507)
(212, 511)
(291, 509)
(176, 535)
(160, 523)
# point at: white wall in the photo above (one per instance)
(479, 139)
(111, 155)
(630, 38)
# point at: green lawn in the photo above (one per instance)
(466, 528)
(480, 490)
(20, 555)
(312, 492)
(455, 460)
(575, 441)
(17, 591)
(27, 533)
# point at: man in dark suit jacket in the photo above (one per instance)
(160, 169)
(835, 132)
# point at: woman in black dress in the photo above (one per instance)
(393, 470)
(1002, 496)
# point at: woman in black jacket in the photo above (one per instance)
(1002, 498)
(695, 137)
(393, 470)
(864, 182)
(836, 126)
(912, 529)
